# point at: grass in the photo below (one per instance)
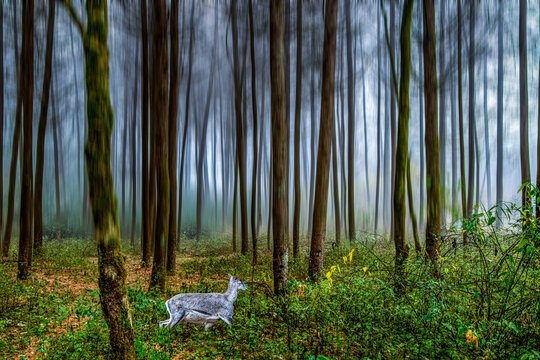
(485, 305)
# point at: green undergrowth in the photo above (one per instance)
(486, 303)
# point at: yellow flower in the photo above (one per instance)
(345, 260)
(471, 338)
(329, 275)
(364, 268)
(333, 268)
(338, 268)
(350, 255)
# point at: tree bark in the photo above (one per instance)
(460, 123)
(486, 135)
(1, 114)
(15, 145)
(172, 125)
(56, 161)
(421, 119)
(316, 255)
(500, 99)
(186, 123)
(472, 123)
(145, 196)
(433, 225)
(159, 111)
(111, 263)
(412, 214)
(351, 123)
(524, 111)
(42, 127)
(134, 152)
(335, 180)
(377, 186)
(26, 209)
(442, 110)
(297, 119)
(280, 148)
(402, 149)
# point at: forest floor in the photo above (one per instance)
(354, 313)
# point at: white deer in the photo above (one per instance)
(203, 308)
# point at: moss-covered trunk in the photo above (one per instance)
(112, 268)
(402, 149)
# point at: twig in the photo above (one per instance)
(74, 16)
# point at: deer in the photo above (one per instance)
(203, 308)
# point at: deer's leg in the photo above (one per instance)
(208, 326)
(176, 317)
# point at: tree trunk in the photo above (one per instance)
(280, 148)
(442, 111)
(56, 161)
(26, 209)
(313, 139)
(316, 255)
(111, 263)
(538, 154)
(472, 123)
(392, 117)
(145, 196)
(351, 123)
(42, 127)
(421, 119)
(524, 111)
(159, 111)
(186, 123)
(235, 202)
(402, 149)
(500, 99)
(1, 114)
(460, 122)
(134, 152)
(15, 145)
(297, 119)
(486, 135)
(123, 226)
(172, 125)
(379, 69)
(204, 131)
(433, 225)
(366, 162)
(335, 180)
(417, 245)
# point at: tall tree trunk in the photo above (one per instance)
(453, 125)
(159, 111)
(460, 122)
(417, 245)
(134, 151)
(123, 226)
(500, 99)
(111, 263)
(366, 162)
(335, 181)
(316, 255)
(486, 134)
(56, 161)
(524, 110)
(42, 127)
(297, 119)
(421, 141)
(26, 209)
(387, 148)
(313, 136)
(204, 131)
(442, 111)
(255, 134)
(78, 118)
(433, 225)
(538, 152)
(1, 114)
(472, 123)
(402, 149)
(280, 148)
(172, 125)
(392, 116)
(6, 242)
(235, 201)
(145, 196)
(186, 122)
(239, 132)
(351, 124)
(379, 69)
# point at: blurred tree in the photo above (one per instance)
(297, 120)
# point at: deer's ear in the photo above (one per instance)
(230, 276)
